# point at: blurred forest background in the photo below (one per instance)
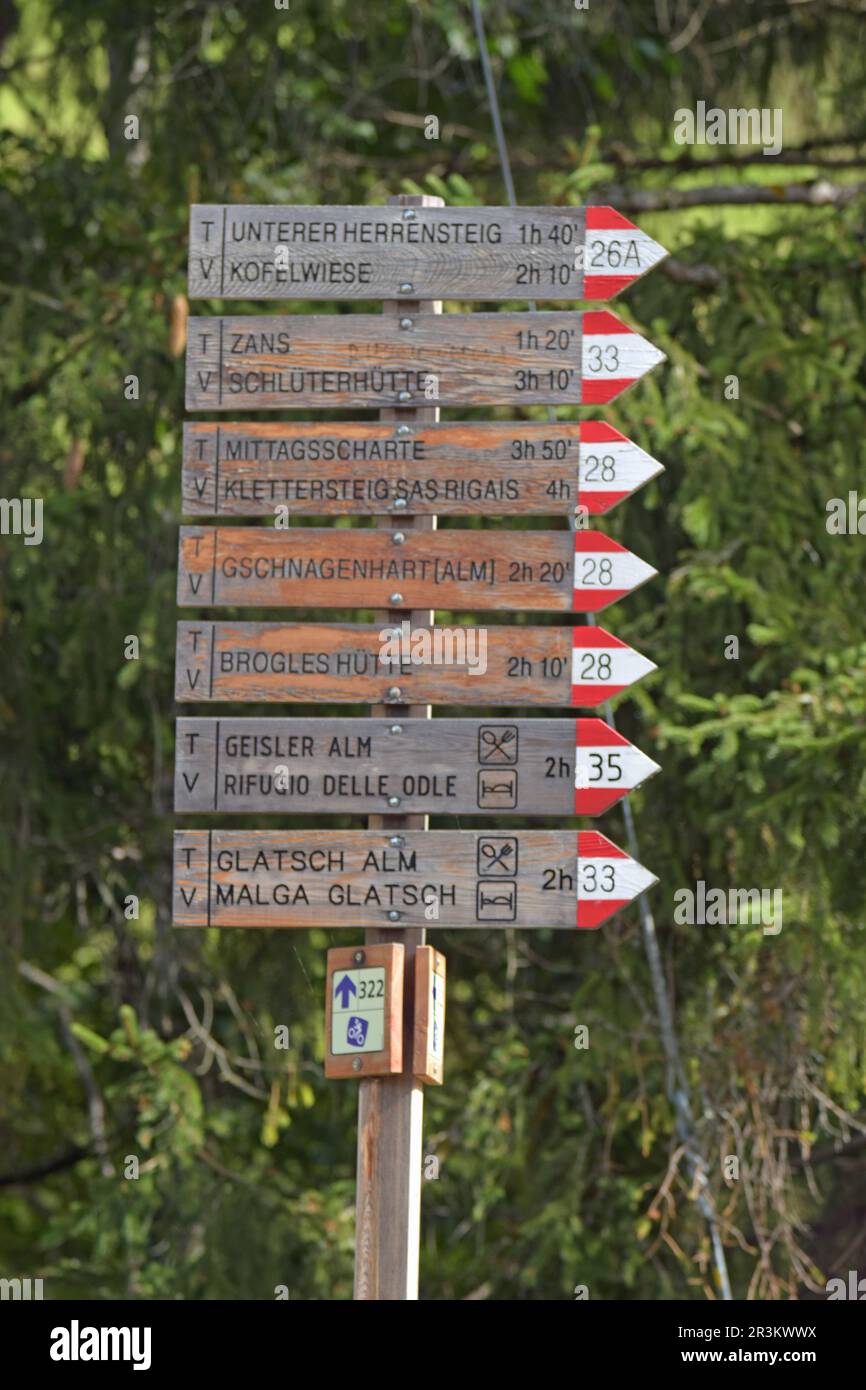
(122, 1037)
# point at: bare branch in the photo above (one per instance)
(821, 193)
(95, 1103)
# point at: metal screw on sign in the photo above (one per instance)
(395, 694)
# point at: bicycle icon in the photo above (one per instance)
(356, 1031)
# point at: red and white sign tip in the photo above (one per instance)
(608, 879)
(611, 467)
(606, 767)
(603, 666)
(616, 253)
(613, 357)
(604, 571)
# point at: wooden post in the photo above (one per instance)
(391, 1109)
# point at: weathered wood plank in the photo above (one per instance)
(361, 360)
(486, 469)
(517, 767)
(312, 567)
(296, 252)
(358, 663)
(362, 766)
(435, 878)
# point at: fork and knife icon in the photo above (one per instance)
(497, 744)
(497, 860)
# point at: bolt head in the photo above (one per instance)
(395, 599)
(395, 694)
(409, 214)
(396, 729)
(404, 429)
(356, 1064)
(407, 287)
(407, 323)
(359, 958)
(396, 842)
(393, 916)
(399, 538)
(393, 801)
(400, 502)
(404, 395)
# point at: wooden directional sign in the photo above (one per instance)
(364, 1011)
(363, 360)
(311, 567)
(487, 469)
(290, 252)
(376, 878)
(520, 767)
(356, 663)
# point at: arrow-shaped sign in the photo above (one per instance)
(532, 879)
(459, 767)
(343, 990)
(611, 467)
(342, 662)
(607, 767)
(453, 467)
(604, 571)
(297, 252)
(608, 879)
(603, 666)
(312, 567)
(329, 361)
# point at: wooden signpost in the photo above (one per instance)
(518, 767)
(262, 567)
(355, 662)
(487, 469)
(385, 999)
(414, 253)
(533, 879)
(329, 361)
